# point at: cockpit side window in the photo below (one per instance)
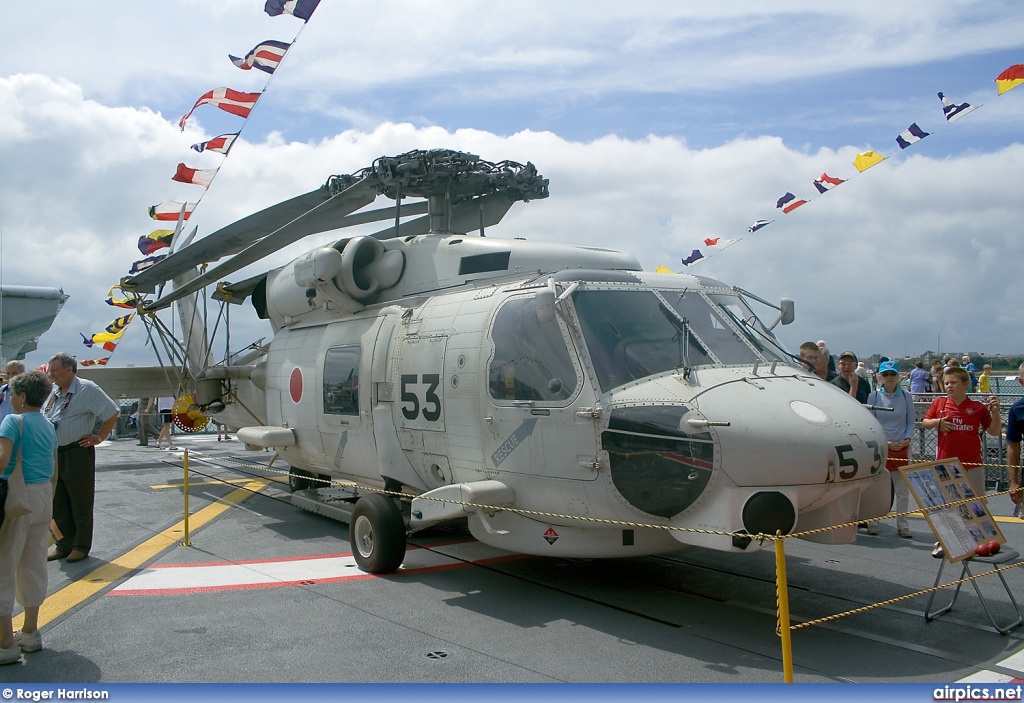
(531, 360)
(341, 381)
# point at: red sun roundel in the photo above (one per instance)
(295, 384)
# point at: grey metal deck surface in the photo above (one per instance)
(692, 616)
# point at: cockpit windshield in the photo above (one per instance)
(631, 334)
(709, 323)
(753, 329)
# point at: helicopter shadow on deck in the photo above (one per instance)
(694, 597)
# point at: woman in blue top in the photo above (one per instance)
(23, 539)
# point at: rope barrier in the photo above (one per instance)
(925, 592)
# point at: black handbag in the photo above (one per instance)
(3, 498)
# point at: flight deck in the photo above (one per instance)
(270, 592)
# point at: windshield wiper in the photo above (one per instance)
(682, 325)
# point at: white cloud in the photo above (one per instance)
(910, 250)
(483, 51)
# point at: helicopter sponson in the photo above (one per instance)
(562, 400)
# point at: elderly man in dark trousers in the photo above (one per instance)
(76, 408)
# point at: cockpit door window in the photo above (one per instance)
(531, 358)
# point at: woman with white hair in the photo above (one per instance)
(27, 435)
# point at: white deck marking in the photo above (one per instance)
(171, 579)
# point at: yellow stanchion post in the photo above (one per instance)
(782, 592)
(186, 543)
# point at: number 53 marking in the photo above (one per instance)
(431, 401)
(850, 462)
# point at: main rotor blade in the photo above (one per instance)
(356, 196)
(467, 216)
(238, 235)
(227, 240)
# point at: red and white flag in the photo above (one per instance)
(169, 211)
(719, 243)
(221, 144)
(228, 100)
(184, 174)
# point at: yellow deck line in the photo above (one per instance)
(92, 583)
(200, 483)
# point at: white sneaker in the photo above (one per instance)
(872, 528)
(10, 654)
(906, 533)
(28, 642)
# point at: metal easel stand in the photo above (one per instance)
(1003, 557)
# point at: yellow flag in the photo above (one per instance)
(101, 337)
(663, 269)
(867, 159)
(1010, 78)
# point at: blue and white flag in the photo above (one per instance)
(693, 258)
(758, 225)
(910, 135)
(143, 264)
(265, 56)
(303, 9)
(952, 111)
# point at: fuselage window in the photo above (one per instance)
(341, 381)
(531, 360)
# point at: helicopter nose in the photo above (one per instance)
(790, 430)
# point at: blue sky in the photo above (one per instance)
(658, 123)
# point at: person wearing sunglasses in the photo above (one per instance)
(898, 425)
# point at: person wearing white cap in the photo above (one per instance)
(898, 425)
(971, 370)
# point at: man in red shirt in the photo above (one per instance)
(959, 421)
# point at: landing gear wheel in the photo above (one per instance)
(298, 480)
(377, 533)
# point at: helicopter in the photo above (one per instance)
(555, 396)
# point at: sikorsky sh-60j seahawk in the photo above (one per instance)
(545, 381)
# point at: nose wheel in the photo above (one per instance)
(377, 533)
(298, 480)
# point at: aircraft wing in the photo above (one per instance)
(26, 313)
(135, 382)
